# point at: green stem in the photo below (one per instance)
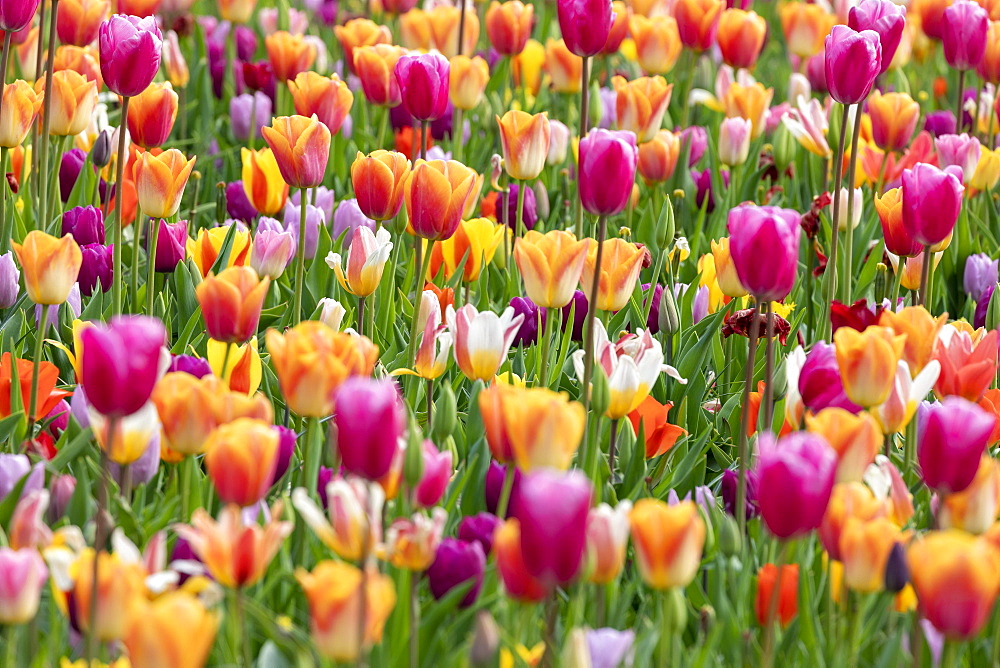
(584, 122)
(187, 473)
(744, 442)
(456, 135)
(849, 245)
(154, 234)
(519, 226)
(612, 447)
(425, 265)
(551, 318)
(508, 485)
(39, 343)
(958, 103)
(838, 180)
(414, 620)
(314, 453)
(588, 345)
(925, 277)
(116, 279)
(46, 120)
(134, 277)
(225, 360)
(300, 261)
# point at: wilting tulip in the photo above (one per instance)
(898, 241)
(607, 540)
(262, 181)
(151, 115)
(231, 303)
(697, 21)
(795, 481)
(964, 36)
(241, 458)
(752, 229)
(640, 105)
(894, 117)
(620, 266)
(564, 67)
(607, 171)
(856, 438)
(805, 25)
(51, 266)
(21, 104)
(788, 593)
(365, 261)
(508, 26)
(21, 588)
(975, 508)
(130, 50)
(668, 542)
(932, 199)
(734, 141)
(657, 42)
(301, 148)
(585, 25)
(525, 141)
(551, 265)
(553, 545)
(289, 54)
(952, 437)
(956, 577)
(853, 60)
(423, 83)
(370, 418)
(967, 366)
(327, 98)
(175, 630)
(160, 181)
(884, 17)
(74, 99)
(741, 36)
(436, 195)
(122, 364)
(457, 562)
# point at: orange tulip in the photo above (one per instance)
(74, 99)
(241, 458)
(805, 26)
(551, 265)
(967, 366)
(360, 32)
(894, 117)
(375, 66)
(657, 42)
(619, 27)
(889, 206)
(990, 402)
(175, 630)
(378, 179)
(749, 102)
(236, 11)
(436, 195)
(328, 98)
(151, 115)
(27, 52)
(974, 509)
(78, 21)
(311, 361)
(565, 68)
(160, 181)
(620, 266)
(415, 30)
(443, 23)
(20, 108)
(867, 362)
(660, 435)
(301, 147)
(50, 264)
(787, 605)
(186, 408)
(508, 26)
(741, 37)
(48, 396)
(119, 583)
(856, 439)
(467, 81)
(668, 542)
(231, 303)
(658, 156)
(640, 105)
(205, 249)
(697, 21)
(524, 138)
(262, 181)
(848, 500)
(921, 330)
(865, 547)
(289, 54)
(84, 60)
(518, 583)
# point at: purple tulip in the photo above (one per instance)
(242, 112)
(314, 220)
(423, 84)
(171, 245)
(816, 73)
(327, 12)
(10, 276)
(969, 96)
(609, 108)
(85, 223)
(820, 385)
(286, 448)
(271, 252)
(322, 198)
(144, 468)
(122, 363)
(70, 167)
(238, 205)
(932, 199)
(479, 529)
(457, 562)
(578, 307)
(981, 273)
(796, 477)
(527, 333)
(729, 490)
(585, 25)
(493, 487)
(764, 244)
(653, 321)
(608, 160)
(853, 60)
(347, 218)
(960, 151)
(16, 15)
(983, 307)
(61, 489)
(14, 468)
(130, 50)
(246, 42)
(552, 508)
(370, 418)
(940, 123)
(326, 474)
(884, 17)
(952, 437)
(507, 215)
(441, 127)
(96, 267)
(609, 648)
(964, 38)
(697, 137)
(195, 366)
(699, 305)
(703, 183)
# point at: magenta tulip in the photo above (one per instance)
(370, 419)
(124, 359)
(130, 50)
(953, 437)
(960, 151)
(964, 37)
(423, 84)
(853, 59)
(795, 479)
(764, 244)
(16, 15)
(455, 563)
(479, 529)
(585, 25)
(552, 508)
(171, 245)
(884, 17)
(437, 473)
(608, 159)
(23, 575)
(932, 199)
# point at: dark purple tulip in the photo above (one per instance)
(964, 37)
(820, 385)
(703, 183)
(940, 123)
(764, 245)
(286, 448)
(455, 563)
(246, 42)
(326, 474)
(122, 363)
(982, 307)
(479, 529)
(185, 561)
(932, 199)
(130, 49)
(608, 160)
(441, 127)
(507, 215)
(61, 489)
(493, 487)
(729, 490)
(552, 508)
(578, 306)
(423, 84)
(96, 266)
(527, 333)
(884, 17)
(585, 25)
(85, 223)
(795, 480)
(853, 59)
(952, 437)
(195, 366)
(238, 205)
(370, 418)
(69, 170)
(653, 321)
(15, 15)
(171, 245)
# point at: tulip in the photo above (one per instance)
(365, 261)
(657, 42)
(856, 438)
(347, 219)
(467, 80)
(805, 25)
(171, 245)
(506, 207)
(668, 542)
(932, 199)
(753, 229)
(51, 266)
(378, 181)
(621, 13)
(235, 553)
(248, 114)
(74, 99)
(697, 21)
(850, 501)
(853, 60)
(85, 224)
(508, 26)
(607, 171)
(10, 278)
(734, 141)
(564, 67)
(964, 35)
(518, 583)
(231, 303)
(740, 36)
(151, 115)
(619, 272)
(525, 141)
(160, 182)
(989, 66)
(551, 265)
(178, 73)
(457, 562)
(289, 54)
(262, 181)
(651, 416)
(981, 273)
(370, 418)
(122, 364)
(187, 407)
(334, 590)
(884, 17)
(175, 630)
(346, 525)
(21, 104)
(15, 468)
(961, 150)
(987, 171)
(410, 543)
(921, 330)
(25, 574)
(975, 508)
(482, 339)
(95, 267)
(358, 33)
(796, 478)
(70, 167)
(894, 117)
(898, 241)
(641, 104)
(788, 593)
(375, 66)
(272, 251)
(241, 458)
(658, 157)
(867, 362)
(956, 577)
(301, 148)
(437, 470)
(470, 249)
(553, 545)
(423, 83)
(78, 21)
(607, 540)
(327, 98)
(967, 367)
(953, 435)
(585, 25)
(438, 29)
(118, 584)
(436, 195)
(48, 396)
(808, 124)
(15, 16)
(749, 102)
(130, 49)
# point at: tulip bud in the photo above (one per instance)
(677, 609)
(666, 226)
(993, 310)
(881, 282)
(669, 319)
(600, 393)
(445, 413)
(730, 540)
(897, 573)
(100, 154)
(485, 640)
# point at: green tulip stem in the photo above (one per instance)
(744, 437)
(116, 278)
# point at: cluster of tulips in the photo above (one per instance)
(362, 333)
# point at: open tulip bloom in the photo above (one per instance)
(384, 334)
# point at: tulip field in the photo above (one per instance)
(492, 334)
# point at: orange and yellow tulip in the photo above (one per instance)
(658, 156)
(151, 115)
(238, 366)
(21, 103)
(551, 265)
(443, 22)
(262, 181)
(668, 542)
(921, 330)
(657, 42)
(749, 102)
(327, 98)
(175, 630)
(974, 509)
(620, 266)
(301, 147)
(467, 81)
(697, 21)
(856, 438)
(366, 260)
(508, 26)
(205, 249)
(805, 26)
(119, 584)
(378, 179)
(50, 265)
(160, 181)
(289, 54)
(236, 11)
(471, 248)
(360, 32)
(74, 99)
(187, 410)
(437, 194)
(894, 117)
(848, 500)
(78, 21)
(241, 458)
(524, 139)
(725, 270)
(231, 303)
(867, 362)
(375, 66)
(864, 550)
(565, 68)
(640, 105)
(84, 60)
(741, 36)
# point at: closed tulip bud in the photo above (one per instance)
(741, 37)
(95, 268)
(843, 196)
(932, 200)
(953, 436)
(262, 181)
(658, 42)
(894, 118)
(508, 26)
(78, 21)
(272, 251)
(467, 81)
(697, 21)
(378, 181)
(457, 562)
(241, 458)
(231, 303)
(734, 141)
(961, 150)
(752, 229)
(85, 224)
(171, 245)
(370, 418)
(884, 17)
(485, 641)
(130, 49)
(74, 99)
(100, 153)
(964, 35)
(174, 62)
(853, 60)
(668, 542)
(585, 25)
(151, 115)
(160, 181)
(9, 280)
(898, 240)
(289, 54)
(436, 195)
(301, 148)
(658, 157)
(553, 546)
(51, 266)
(248, 114)
(607, 539)
(668, 320)
(21, 104)
(123, 362)
(423, 83)
(796, 477)
(787, 595)
(607, 171)
(327, 98)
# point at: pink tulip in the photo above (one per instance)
(124, 360)
(853, 60)
(22, 575)
(552, 508)
(952, 437)
(130, 49)
(437, 473)
(734, 141)
(796, 477)
(15, 15)
(961, 151)
(585, 25)
(370, 419)
(764, 244)
(932, 199)
(608, 160)
(819, 384)
(423, 84)
(964, 37)
(884, 17)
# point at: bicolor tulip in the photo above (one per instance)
(968, 364)
(565, 68)
(989, 66)
(865, 549)
(932, 200)
(205, 249)
(160, 181)
(262, 181)
(434, 350)
(867, 362)
(78, 22)
(952, 438)
(423, 84)
(130, 49)
(508, 26)
(804, 25)
(25, 574)
(697, 21)
(358, 33)
(231, 303)
(759, 231)
(554, 545)
(884, 17)
(272, 251)
(551, 265)
(467, 81)
(370, 419)
(118, 584)
(898, 240)
(620, 266)
(151, 115)
(411, 542)
(346, 525)
(51, 266)
(366, 260)
(327, 98)
(437, 193)
(621, 13)
(470, 249)
(668, 541)
(856, 438)
(301, 148)
(607, 171)
(740, 36)
(734, 141)
(896, 412)
(640, 105)
(379, 179)
(921, 330)
(788, 593)
(524, 139)
(962, 151)
(174, 63)
(438, 29)
(850, 500)
(974, 509)
(894, 118)
(186, 407)
(607, 540)
(750, 102)
(725, 269)
(21, 104)
(657, 42)
(74, 99)
(795, 481)
(482, 339)
(658, 156)
(375, 66)
(518, 582)
(289, 54)
(241, 458)
(585, 25)
(964, 36)
(236, 11)
(437, 470)
(175, 630)
(852, 61)
(808, 124)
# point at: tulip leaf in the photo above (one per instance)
(10, 501)
(222, 259)
(71, 451)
